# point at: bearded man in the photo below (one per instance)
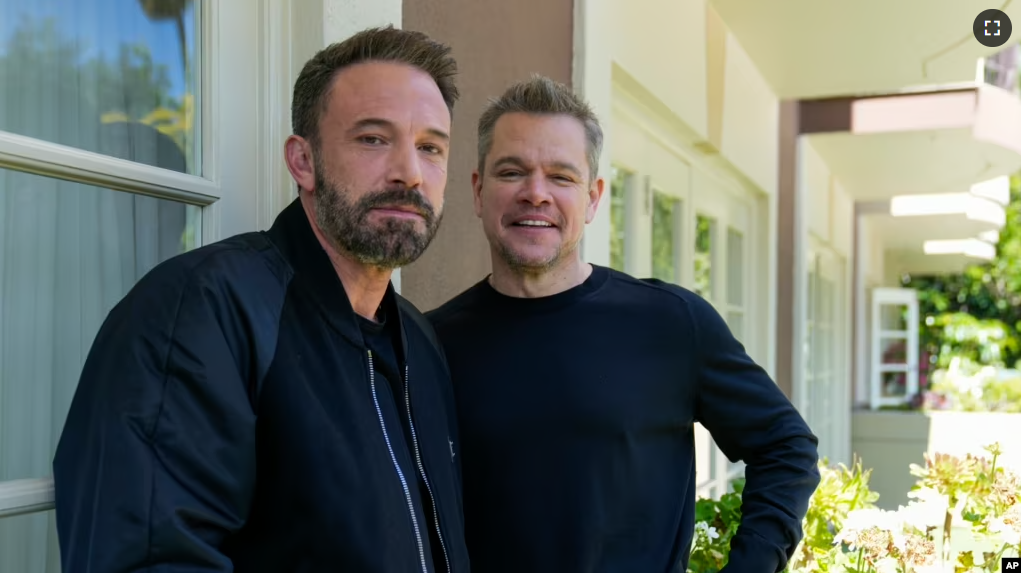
(268, 402)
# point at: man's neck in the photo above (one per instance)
(565, 276)
(365, 285)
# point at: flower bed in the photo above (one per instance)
(964, 514)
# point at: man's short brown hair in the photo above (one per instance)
(541, 96)
(312, 90)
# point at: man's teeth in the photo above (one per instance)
(530, 223)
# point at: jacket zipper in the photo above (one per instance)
(400, 474)
(421, 468)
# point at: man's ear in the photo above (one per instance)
(477, 192)
(300, 162)
(595, 195)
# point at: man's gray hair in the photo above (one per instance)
(541, 96)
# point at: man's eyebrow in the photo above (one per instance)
(379, 123)
(515, 161)
(509, 160)
(566, 167)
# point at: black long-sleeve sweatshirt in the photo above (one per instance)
(576, 416)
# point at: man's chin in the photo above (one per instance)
(530, 260)
(398, 252)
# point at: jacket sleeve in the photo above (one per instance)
(752, 421)
(155, 467)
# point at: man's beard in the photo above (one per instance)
(390, 245)
(530, 265)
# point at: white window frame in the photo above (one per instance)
(629, 177)
(713, 189)
(740, 307)
(721, 472)
(826, 408)
(228, 182)
(899, 297)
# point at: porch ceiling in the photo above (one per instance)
(813, 48)
(909, 234)
(921, 143)
(917, 263)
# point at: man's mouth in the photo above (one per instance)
(532, 223)
(399, 211)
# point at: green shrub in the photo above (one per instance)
(968, 388)
(963, 511)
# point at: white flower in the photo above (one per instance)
(928, 495)
(887, 565)
(862, 519)
(702, 529)
(1007, 533)
(928, 508)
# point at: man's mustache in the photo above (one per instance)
(408, 197)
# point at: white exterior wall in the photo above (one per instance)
(872, 269)
(704, 130)
(593, 24)
(750, 120)
(822, 391)
(645, 34)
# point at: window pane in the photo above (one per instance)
(893, 351)
(663, 233)
(617, 218)
(735, 268)
(704, 227)
(811, 348)
(894, 384)
(108, 76)
(28, 544)
(826, 299)
(68, 253)
(893, 317)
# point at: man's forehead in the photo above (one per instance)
(375, 87)
(531, 137)
(387, 108)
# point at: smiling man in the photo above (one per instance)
(578, 386)
(268, 402)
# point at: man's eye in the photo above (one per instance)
(371, 140)
(432, 149)
(510, 173)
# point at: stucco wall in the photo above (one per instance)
(496, 44)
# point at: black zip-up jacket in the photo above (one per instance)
(227, 420)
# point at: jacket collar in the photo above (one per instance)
(313, 271)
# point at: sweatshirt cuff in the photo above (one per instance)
(751, 553)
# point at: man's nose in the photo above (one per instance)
(405, 166)
(535, 191)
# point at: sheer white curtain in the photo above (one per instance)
(68, 255)
(68, 251)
